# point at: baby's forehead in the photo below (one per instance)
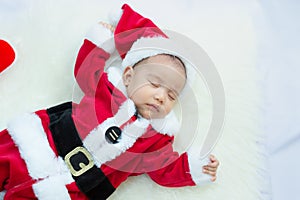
(166, 60)
(164, 73)
(161, 58)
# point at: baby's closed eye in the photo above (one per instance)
(154, 83)
(172, 96)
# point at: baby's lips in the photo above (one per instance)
(7, 55)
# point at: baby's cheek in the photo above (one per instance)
(170, 106)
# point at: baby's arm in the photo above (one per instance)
(90, 62)
(173, 170)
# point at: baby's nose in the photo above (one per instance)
(160, 95)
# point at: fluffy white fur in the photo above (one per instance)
(195, 163)
(47, 35)
(107, 152)
(114, 16)
(95, 141)
(115, 77)
(2, 194)
(51, 188)
(101, 36)
(28, 134)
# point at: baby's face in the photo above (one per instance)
(154, 85)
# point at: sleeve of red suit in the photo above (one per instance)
(169, 169)
(91, 58)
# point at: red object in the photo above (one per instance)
(152, 154)
(29, 166)
(7, 55)
(131, 27)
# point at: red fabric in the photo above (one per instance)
(152, 153)
(45, 123)
(101, 99)
(7, 55)
(14, 177)
(131, 27)
(86, 76)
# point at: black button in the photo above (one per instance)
(112, 134)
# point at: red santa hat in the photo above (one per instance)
(132, 27)
(137, 37)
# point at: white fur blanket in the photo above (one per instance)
(47, 34)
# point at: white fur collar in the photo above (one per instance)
(51, 171)
(168, 125)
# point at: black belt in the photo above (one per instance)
(88, 177)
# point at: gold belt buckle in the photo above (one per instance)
(83, 166)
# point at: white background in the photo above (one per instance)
(279, 61)
(277, 29)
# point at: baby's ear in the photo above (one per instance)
(127, 75)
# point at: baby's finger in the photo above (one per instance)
(212, 173)
(212, 158)
(214, 178)
(213, 169)
(212, 165)
(108, 26)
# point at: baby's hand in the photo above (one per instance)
(211, 167)
(108, 26)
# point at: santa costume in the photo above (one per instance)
(86, 150)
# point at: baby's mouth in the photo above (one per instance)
(153, 107)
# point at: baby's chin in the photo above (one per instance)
(150, 116)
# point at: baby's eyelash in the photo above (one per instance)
(172, 97)
(154, 84)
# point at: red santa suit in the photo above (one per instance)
(31, 165)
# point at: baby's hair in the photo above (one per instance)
(172, 57)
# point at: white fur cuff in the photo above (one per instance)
(114, 16)
(195, 165)
(51, 188)
(2, 194)
(102, 37)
